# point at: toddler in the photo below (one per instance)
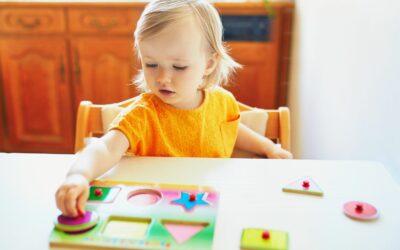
(182, 110)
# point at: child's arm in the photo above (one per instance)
(250, 141)
(97, 158)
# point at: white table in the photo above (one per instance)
(250, 196)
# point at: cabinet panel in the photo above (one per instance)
(103, 69)
(32, 20)
(37, 95)
(255, 83)
(97, 20)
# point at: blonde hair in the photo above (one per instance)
(159, 14)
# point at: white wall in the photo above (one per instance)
(344, 90)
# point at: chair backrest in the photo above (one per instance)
(89, 122)
(278, 124)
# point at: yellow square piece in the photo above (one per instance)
(252, 239)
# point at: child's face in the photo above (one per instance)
(174, 63)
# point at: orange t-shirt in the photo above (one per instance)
(155, 128)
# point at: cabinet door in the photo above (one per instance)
(2, 124)
(103, 69)
(256, 83)
(37, 95)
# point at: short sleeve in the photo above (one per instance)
(131, 122)
(231, 118)
(231, 104)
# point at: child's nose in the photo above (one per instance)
(163, 76)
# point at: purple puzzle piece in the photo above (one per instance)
(75, 221)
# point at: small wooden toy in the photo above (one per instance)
(305, 185)
(129, 215)
(76, 225)
(261, 239)
(360, 210)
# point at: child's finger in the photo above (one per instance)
(288, 155)
(82, 200)
(70, 202)
(60, 194)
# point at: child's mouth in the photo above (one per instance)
(166, 92)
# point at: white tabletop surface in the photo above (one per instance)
(250, 196)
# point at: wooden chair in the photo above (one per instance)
(89, 122)
(277, 126)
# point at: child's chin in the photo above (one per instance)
(167, 100)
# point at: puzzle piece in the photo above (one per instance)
(78, 224)
(261, 239)
(305, 185)
(189, 201)
(360, 210)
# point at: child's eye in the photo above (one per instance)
(151, 65)
(180, 68)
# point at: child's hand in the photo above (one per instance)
(71, 196)
(279, 153)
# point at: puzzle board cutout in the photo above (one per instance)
(146, 216)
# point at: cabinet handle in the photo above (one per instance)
(28, 25)
(100, 26)
(62, 69)
(77, 67)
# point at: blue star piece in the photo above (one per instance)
(184, 200)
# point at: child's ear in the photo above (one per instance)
(211, 64)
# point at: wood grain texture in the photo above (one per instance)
(27, 20)
(37, 94)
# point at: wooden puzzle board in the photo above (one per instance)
(146, 216)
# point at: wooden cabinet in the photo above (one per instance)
(53, 55)
(259, 72)
(102, 70)
(103, 64)
(37, 93)
(263, 80)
